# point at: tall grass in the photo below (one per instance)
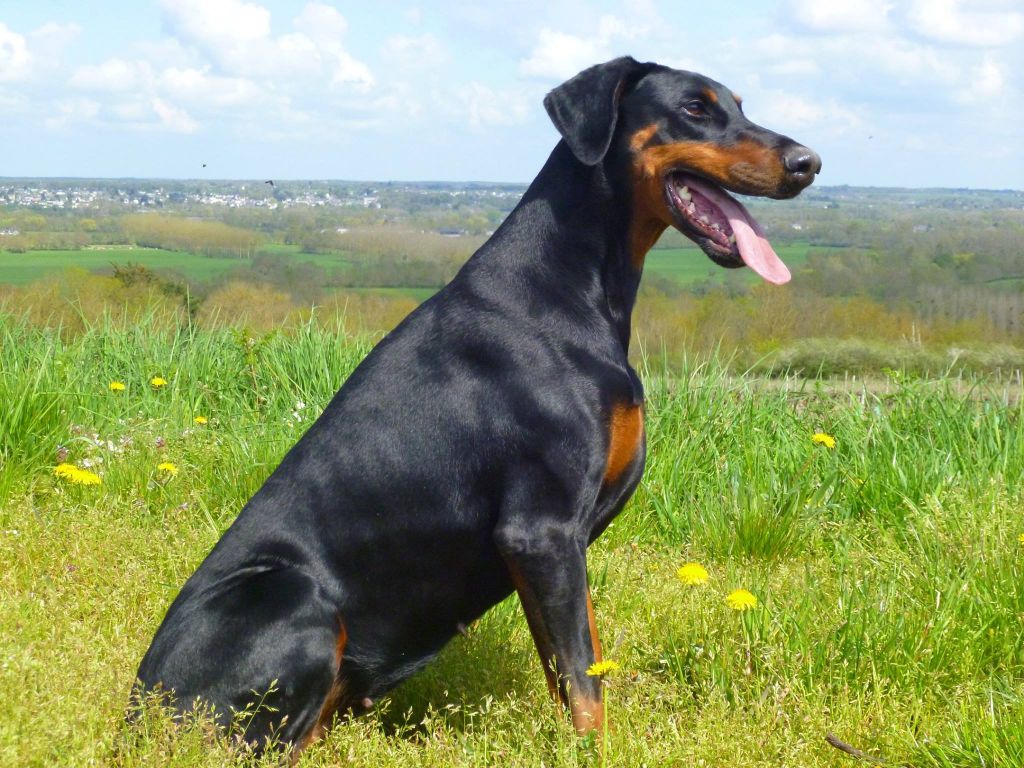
(888, 570)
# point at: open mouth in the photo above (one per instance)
(721, 226)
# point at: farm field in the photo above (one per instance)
(689, 265)
(21, 268)
(887, 568)
(681, 265)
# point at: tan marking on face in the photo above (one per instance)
(642, 137)
(648, 207)
(711, 95)
(747, 167)
(625, 433)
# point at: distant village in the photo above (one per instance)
(142, 194)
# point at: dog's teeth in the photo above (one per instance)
(732, 239)
(684, 193)
(691, 208)
(704, 219)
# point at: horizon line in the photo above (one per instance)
(286, 180)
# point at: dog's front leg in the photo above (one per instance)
(548, 567)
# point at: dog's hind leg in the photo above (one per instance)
(262, 642)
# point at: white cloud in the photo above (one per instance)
(987, 83)
(795, 67)
(783, 111)
(840, 16)
(194, 86)
(49, 42)
(321, 23)
(415, 53)
(224, 59)
(236, 37)
(174, 118)
(559, 55)
(76, 110)
(113, 75)
(217, 24)
(484, 106)
(15, 57)
(949, 21)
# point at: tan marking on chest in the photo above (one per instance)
(625, 433)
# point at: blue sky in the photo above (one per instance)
(890, 93)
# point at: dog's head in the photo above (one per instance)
(686, 141)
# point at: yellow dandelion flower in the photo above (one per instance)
(200, 420)
(821, 438)
(75, 475)
(602, 668)
(85, 477)
(168, 467)
(1020, 539)
(158, 382)
(692, 574)
(740, 600)
(116, 386)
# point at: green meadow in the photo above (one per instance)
(888, 570)
(690, 265)
(22, 268)
(681, 265)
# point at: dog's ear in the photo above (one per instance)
(585, 108)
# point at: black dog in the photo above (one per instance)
(489, 438)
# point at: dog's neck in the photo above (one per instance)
(574, 227)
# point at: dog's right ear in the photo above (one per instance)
(585, 108)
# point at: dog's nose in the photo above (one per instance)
(801, 163)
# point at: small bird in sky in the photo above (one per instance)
(204, 165)
(269, 181)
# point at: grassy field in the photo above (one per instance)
(689, 265)
(888, 570)
(682, 265)
(21, 268)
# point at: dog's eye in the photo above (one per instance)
(695, 108)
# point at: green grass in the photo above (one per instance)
(682, 265)
(888, 571)
(21, 268)
(690, 265)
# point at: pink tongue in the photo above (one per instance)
(754, 248)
